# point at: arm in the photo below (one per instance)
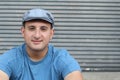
(3, 75)
(75, 75)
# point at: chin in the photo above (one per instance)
(38, 48)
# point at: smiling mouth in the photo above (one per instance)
(36, 42)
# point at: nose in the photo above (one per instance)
(37, 34)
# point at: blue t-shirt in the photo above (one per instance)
(54, 66)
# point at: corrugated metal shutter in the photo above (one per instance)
(89, 29)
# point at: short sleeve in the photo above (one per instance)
(66, 63)
(4, 64)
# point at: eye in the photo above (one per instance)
(44, 28)
(31, 28)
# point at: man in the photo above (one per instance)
(36, 59)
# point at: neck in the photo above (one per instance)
(37, 55)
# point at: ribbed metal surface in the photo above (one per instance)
(89, 29)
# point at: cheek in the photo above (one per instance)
(26, 35)
(47, 36)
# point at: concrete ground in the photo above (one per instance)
(101, 75)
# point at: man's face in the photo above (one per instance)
(37, 34)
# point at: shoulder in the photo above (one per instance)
(62, 55)
(57, 51)
(10, 59)
(12, 53)
(64, 62)
(59, 55)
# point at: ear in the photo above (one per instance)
(22, 30)
(52, 33)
